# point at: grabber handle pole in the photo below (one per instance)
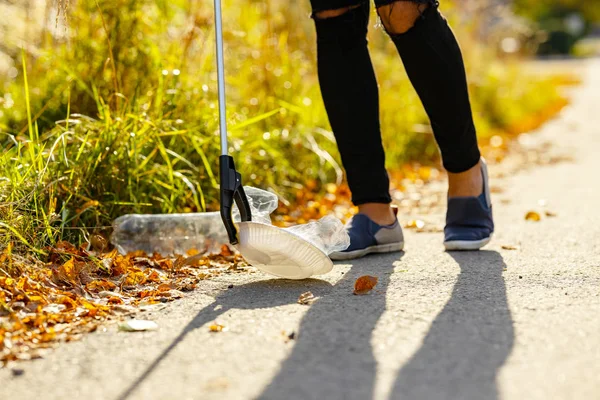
(230, 180)
(221, 77)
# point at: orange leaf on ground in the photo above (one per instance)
(533, 216)
(147, 293)
(98, 242)
(100, 285)
(217, 327)
(5, 257)
(66, 247)
(365, 284)
(415, 224)
(121, 265)
(115, 300)
(153, 277)
(226, 251)
(68, 302)
(67, 272)
(134, 278)
(163, 287)
(92, 312)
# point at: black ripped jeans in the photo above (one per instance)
(434, 64)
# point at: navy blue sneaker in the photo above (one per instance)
(367, 237)
(469, 221)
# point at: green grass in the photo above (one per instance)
(120, 115)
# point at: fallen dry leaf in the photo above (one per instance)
(306, 298)
(115, 300)
(134, 278)
(100, 285)
(533, 216)
(510, 247)
(365, 284)
(98, 243)
(163, 287)
(288, 336)
(216, 327)
(226, 251)
(415, 224)
(550, 213)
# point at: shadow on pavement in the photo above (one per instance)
(469, 340)
(335, 335)
(460, 357)
(256, 295)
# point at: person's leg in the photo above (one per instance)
(350, 94)
(351, 98)
(434, 64)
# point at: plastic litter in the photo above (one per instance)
(168, 234)
(297, 252)
(138, 325)
(328, 233)
(278, 251)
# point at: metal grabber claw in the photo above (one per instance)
(232, 189)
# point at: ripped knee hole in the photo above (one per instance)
(400, 16)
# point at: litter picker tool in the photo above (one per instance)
(280, 252)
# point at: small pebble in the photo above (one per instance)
(230, 287)
(292, 336)
(520, 277)
(17, 371)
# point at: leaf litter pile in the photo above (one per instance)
(76, 290)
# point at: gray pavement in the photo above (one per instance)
(508, 324)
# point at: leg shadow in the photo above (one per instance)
(333, 356)
(469, 340)
(256, 295)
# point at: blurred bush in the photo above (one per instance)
(132, 84)
(565, 22)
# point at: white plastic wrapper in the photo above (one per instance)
(262, 205)
(327, 234)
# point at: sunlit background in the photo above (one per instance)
(109, 107)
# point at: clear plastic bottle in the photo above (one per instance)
(169, 234)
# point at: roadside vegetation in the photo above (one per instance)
(111, 109)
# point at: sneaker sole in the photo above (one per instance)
(380, 248)
(466, 245)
